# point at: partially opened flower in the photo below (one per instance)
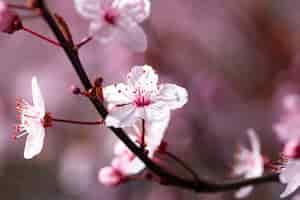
(34, 120)
(125, 163)
(142, 98)
(249, 164)
(116, 20)
(8, 19)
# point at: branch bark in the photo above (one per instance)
(200, 185)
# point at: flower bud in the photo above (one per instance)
(75, 90)
(110, 177)
(9, 20)
(292, 149)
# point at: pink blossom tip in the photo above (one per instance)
(110, 177)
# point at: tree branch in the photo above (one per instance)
(200, 185)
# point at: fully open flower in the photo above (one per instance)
(142, 98)
(33, 119)
(117, 20)
(249, 164)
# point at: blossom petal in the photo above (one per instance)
(87, 8)
(144, 77)
(290, 176)
(157, 111)
(243, 192)
(38, 100)
(290, 188)
(155, 132)
(104, 33)
(254, 141)
(137, 10)
(116, 94)
(288, 173)
(133, 37)
(34, 142)
(175, 96)
(123, 116)
(133, 167)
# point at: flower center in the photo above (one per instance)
(110, 17)
(141, 101)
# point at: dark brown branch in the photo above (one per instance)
(169, 179)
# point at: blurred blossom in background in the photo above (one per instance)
(237, 59)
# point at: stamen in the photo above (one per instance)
(18, 134)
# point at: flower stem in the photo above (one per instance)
(84, 42)
(143, 134)
(45, 38)
(77, 122)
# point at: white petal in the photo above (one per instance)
(103, 32)
(254, 141)
(38, 100)
(156, 112)
(117, 94)
(123, 116)
(143, 77)
(155, 132)
(133, 37)
(175, 96)
(290, 188)
(87, 8)
(34, 142)
(133, 167)
(243, 192)
(137, 10)
(291, 169)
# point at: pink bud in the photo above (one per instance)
(292, 149)
(9, 20)
(110, 177)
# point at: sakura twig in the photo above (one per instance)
(45, 38)
(200, 185)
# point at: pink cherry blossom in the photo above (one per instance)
(116, 20)
(125, 163)
(142, 98)
(33, 121)
(288, 128)
(7, 18)
(249, 164)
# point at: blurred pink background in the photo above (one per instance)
(237, 58)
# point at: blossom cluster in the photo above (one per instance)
(141, 103)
